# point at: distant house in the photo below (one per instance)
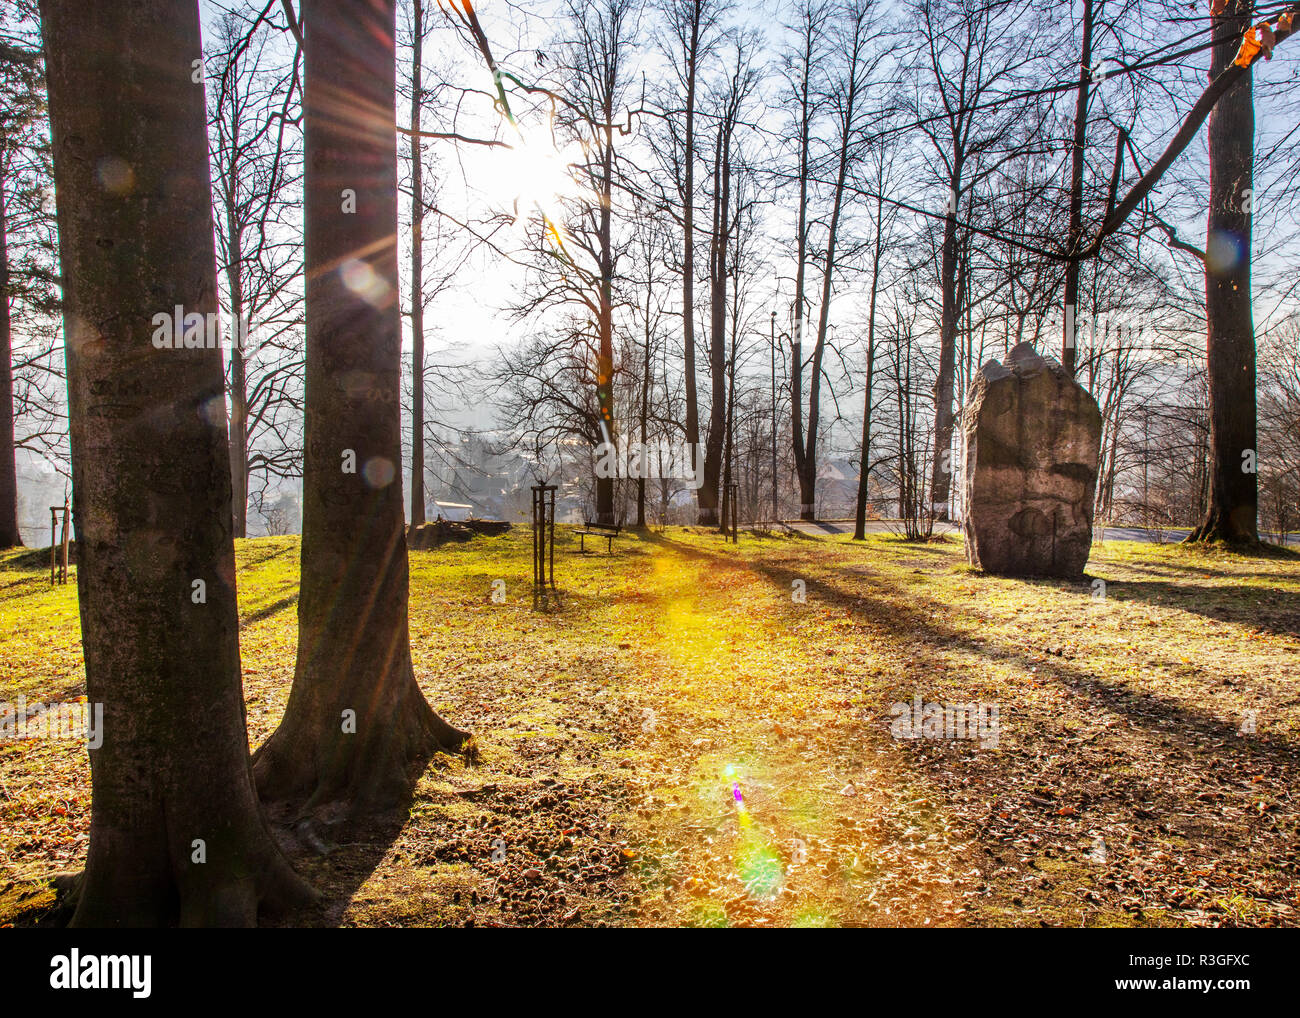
(837, 487)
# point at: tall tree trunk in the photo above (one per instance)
(238, 375)
(171, 782)
(1069, 342)
(776, 513)
(645, 412)
(417, 276)
(941, 470)
(807, 511)
(1230, 329)
(356, 725)
(728, 449)
(808, 475)
(10, 535)
(688, 249)
(709, 492)
(605, 358)
(940, 477)
(860, 520)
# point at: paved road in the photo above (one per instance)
(823, 528)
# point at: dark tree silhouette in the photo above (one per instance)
(10, 535)
(176, 833)
(356, 722)
(1230, 329)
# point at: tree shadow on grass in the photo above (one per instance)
(268, 610)
(336, 860)
(255, 556)
(38, 559)
(31, 585)
(1162, 716)
(1279, 612)
(1164, 569)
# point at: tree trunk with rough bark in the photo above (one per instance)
(941, 468)
(688, 250)
(860, 519)
(709, 494)
(605, 324)
(1069, 342)
(1230, 331)
(10, 535)
(357, 728)
(176, 833)
(807, 510)
(417, 275)
(645, 407)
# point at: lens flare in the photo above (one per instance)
(364, 281)
(1224, 251)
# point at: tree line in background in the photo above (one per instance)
(787, 241)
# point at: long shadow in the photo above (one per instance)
(1188, 777)
(1161, 715)
(38, 559)
(905, 547)
(1165, 568)
(1203, 567)
(336, 860)
(689, 551)
(249, 563)
(30, 586)
(265, 612)
(1280, 614)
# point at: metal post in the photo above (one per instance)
(63, 554)
(59, 544)
(543, 537)
(775, 511)
(534, 533)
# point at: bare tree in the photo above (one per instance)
(256, 172)
(810, 21)
(883, 221)
(971, 56)
(852, 35)
(691, 37)
(26, 282)
(737, 86)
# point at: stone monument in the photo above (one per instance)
(1032, 438)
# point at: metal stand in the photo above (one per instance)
(733, 510)
(543, 539)
(59, 550)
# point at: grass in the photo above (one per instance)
(678, 739)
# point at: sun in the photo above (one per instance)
(531, 176)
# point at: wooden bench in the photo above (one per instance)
(606, 530)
